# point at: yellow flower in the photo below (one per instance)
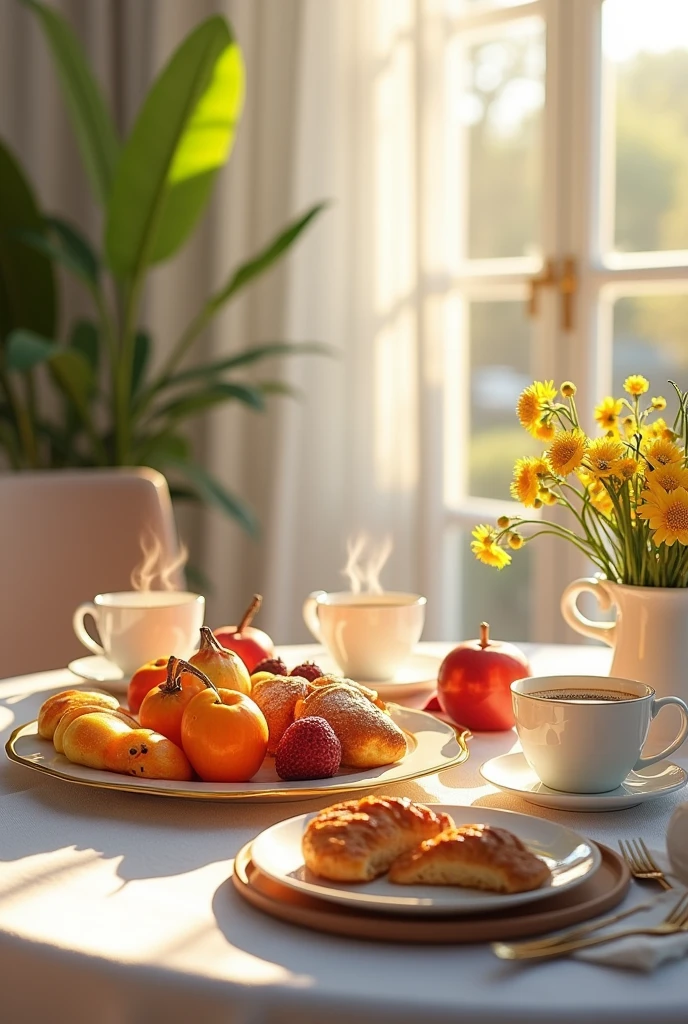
(636, 384)
(603, 456)
(667, 514)
(547, 497)
(628, 424)
(607, 413)
(662, 452)
(651, 431)
(566, 451)
(515, 541)
(626, 468)
(658, 403)
(668, 477)
(526, 482)
(531, 403)
(544, 431)
(486, 549)
(599, 498)
(503, 522)
(568, 389)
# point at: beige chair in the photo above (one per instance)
(66, 535)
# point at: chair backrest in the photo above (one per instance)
(66, 535)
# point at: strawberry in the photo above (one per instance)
(275, 666)
(309, 670)
(309, 749)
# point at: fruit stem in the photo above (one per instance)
(484, 634)
(209, 641)
(255, 604)
(172, 683)
(186, 666)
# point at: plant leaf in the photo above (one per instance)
(264, 259)
(69, 368)
(213, 492)
(180, 140)
(205, 398)
(91, 120)
(252, 355)
(281, 387)
(142, 347)
(27, 281)
(85, 340)
(77, 248)
(157, 450)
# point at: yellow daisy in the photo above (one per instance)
(607, 412)
(486, 549)
(662, 452)
(626, 468)
(544, 430)
(547, 497)
(636, 384)
(599, 498)
(568, 389)
(651, 431)
(515, 541)
(567, 451)
(531, 403)
(526, 482)
(658, 403)
(604, 455)
(667, 514)
(668, 477)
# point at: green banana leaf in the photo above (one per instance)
(142, 349)
(91, 120)
(27, 281)
(181, 138)
(207, 397)
(250, 355)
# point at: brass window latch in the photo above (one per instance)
(565, 278)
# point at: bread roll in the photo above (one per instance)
(277, 698)
(474, 856)
(54, 707)
(84, 709)
(87, 740)
(368, 736)
(357, 840)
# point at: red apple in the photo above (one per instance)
(473, 684)
(251, 644)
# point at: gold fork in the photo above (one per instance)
(642, 863)
(675, 921)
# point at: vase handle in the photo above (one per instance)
(605, 631)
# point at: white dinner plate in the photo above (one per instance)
(97, 669)
(570, 857)
(433, 747)
(512, 773)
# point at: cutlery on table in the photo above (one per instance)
(641, 862)
(675, 921)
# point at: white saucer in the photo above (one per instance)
(418, 674)
(98, 669)
(512, 773)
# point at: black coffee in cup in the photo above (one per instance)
(595, 696)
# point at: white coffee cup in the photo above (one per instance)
(140, 626)
(370, 636)
(578, 742)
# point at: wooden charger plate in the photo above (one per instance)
(598, 894)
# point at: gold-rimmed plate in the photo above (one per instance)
(433, 746)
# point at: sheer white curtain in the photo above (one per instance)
(335, 109)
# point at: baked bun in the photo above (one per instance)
(84, 709)
(368, 736)
(88, 739)
(52, 709)
(277, 699)
(474, 856)
(357, 840)
(372, 696)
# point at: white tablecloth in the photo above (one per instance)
(118, 909)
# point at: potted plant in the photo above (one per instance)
(152, 186)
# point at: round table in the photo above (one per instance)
(118, 909)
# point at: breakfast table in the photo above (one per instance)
(119, 908)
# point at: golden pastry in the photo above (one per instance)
(474, 856)
(372, 696)
(277, 698)
(368, 736)
(357, 840)
(84, 709)
(54, 707)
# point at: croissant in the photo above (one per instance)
(368, 736)
(54, 707)
(475, 856)
(372, 695)
(357, 840)
(277, 699)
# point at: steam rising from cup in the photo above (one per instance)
(365, 562)
(153, 565)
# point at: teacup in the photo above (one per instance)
(370, 636)
(584, 734)
(139, 626)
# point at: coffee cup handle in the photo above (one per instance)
(604, 631)
(657, 704)
(310, 614)
(80, 629)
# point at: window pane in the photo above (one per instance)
(645, 45)
(497, 596)
(499, 340)
(651, 337)
(502, 111)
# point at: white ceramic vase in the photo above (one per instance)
(649, 637)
